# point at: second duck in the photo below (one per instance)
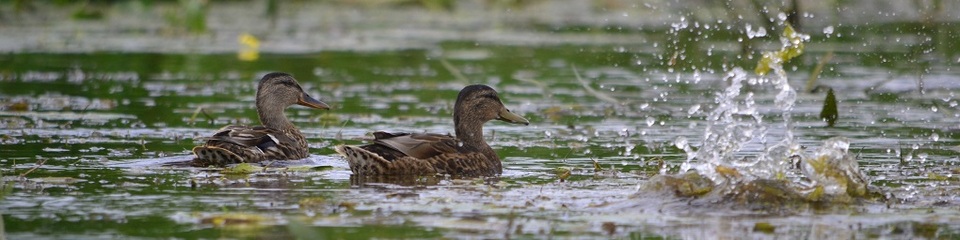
(424, 153)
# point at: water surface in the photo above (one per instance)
(102, 123)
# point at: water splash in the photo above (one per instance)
(734, 122)
(782, 171)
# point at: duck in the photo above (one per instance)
(463, 154)
(275, 139)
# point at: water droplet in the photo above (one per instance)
(760, 32)
(694, 109)
(650, 121)
(681, 142)
(935, 137)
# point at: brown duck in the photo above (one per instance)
(466, 154)
(276, 139)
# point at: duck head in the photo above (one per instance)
(479, 104)
(276, 92)
(280, 90)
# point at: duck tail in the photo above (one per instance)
(362, 161)
(214, 156)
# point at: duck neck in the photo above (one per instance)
(470, 133)
(273, 118)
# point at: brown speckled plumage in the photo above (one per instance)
(277, 139)
(467, 154)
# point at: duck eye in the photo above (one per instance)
(490, 96)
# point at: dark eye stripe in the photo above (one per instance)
(291, 84)
(490, 96)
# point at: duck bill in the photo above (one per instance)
(308, 101)
(510, 117)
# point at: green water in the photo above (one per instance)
(103, 122)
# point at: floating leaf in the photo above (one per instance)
(690, 184)
(20, 106)
(562, 173)
(829, 112)
(764, 227)
(241, 220)
(243, 168)
(937, 177)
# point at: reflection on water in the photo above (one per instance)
(103, 124)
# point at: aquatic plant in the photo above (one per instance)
(829, 113)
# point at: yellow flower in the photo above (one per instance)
(249, 41)
(249, 47)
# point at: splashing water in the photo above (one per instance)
(736, 122)
(829, 174)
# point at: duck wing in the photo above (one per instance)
(267, 140)
(417, 145)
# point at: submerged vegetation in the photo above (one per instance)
(644, 121)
